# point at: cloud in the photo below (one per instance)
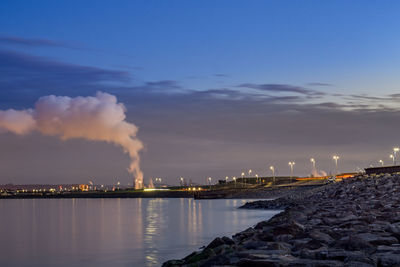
(319, 84)
(280, 88)
(213, 130)
(221, 75)
(32, 42)
(24, 75)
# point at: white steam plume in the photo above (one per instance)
(320, 173)
(98, 118)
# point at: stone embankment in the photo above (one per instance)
(351, 223)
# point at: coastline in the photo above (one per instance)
(355, 222)
(116, 194)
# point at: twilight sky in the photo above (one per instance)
(215, 87)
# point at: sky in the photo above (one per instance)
(215, 87)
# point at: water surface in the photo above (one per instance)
(114, 232)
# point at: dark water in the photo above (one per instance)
(114, 232)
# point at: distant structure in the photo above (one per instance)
(379, 170)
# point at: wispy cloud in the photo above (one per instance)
(319, 84)
(33, 42)
(280, 88)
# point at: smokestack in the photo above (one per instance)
(96, 118)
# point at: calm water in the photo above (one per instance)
(114, 232)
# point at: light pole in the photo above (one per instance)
(181, 181)
(234, 179)
(256, 178)
(250, 171)
(335, 158)
(313, 164)
(392, 157)
(209, 180)
(291, 164)
(395, 150)
(226, 179)
(242, 177)
(272, 168)
(381, 162)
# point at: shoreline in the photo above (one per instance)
(257, 192)
(140, 194)
(355, 222)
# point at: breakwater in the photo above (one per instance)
(355, 222)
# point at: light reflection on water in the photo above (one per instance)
(114, 232)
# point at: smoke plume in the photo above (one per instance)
(98, 118)
(320, 173)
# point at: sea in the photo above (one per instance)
(115, 232)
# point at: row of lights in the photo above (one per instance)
(292, 164)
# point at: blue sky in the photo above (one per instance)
(284, 71)
(352, 45)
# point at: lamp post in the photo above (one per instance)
(242, 177)
(234, 179)
(395, 150)
(256, 178)
(181, 181)
(291, 164)
(313, 165)
(272, 168)
(392, 157)
(226, 179)
(336, 158)
(250, 171)
(209, 180)
(381, 162)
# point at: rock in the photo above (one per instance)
(199, 256)
(261, 225)
(173, 263)
(351, 223)
(279, 246)
(375, 239)
(216, 243)
(283, 238)
(251, 244)
(388, 259)
(227, 240)
(273, 260)
(291, 228)
(353, 243)
(321, 237)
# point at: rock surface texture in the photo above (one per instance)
(355, 222)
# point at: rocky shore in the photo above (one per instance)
(355, 222)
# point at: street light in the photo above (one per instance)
(234, 179)
(256, 178)
(291, 164)
(226, 179)
(181, 181)
(242, 177)
(313, 163)
(272, 168)
(250, 171)
(381, 162)
(335, 158)
(209, 180)
(395, 150)
(392, 157)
